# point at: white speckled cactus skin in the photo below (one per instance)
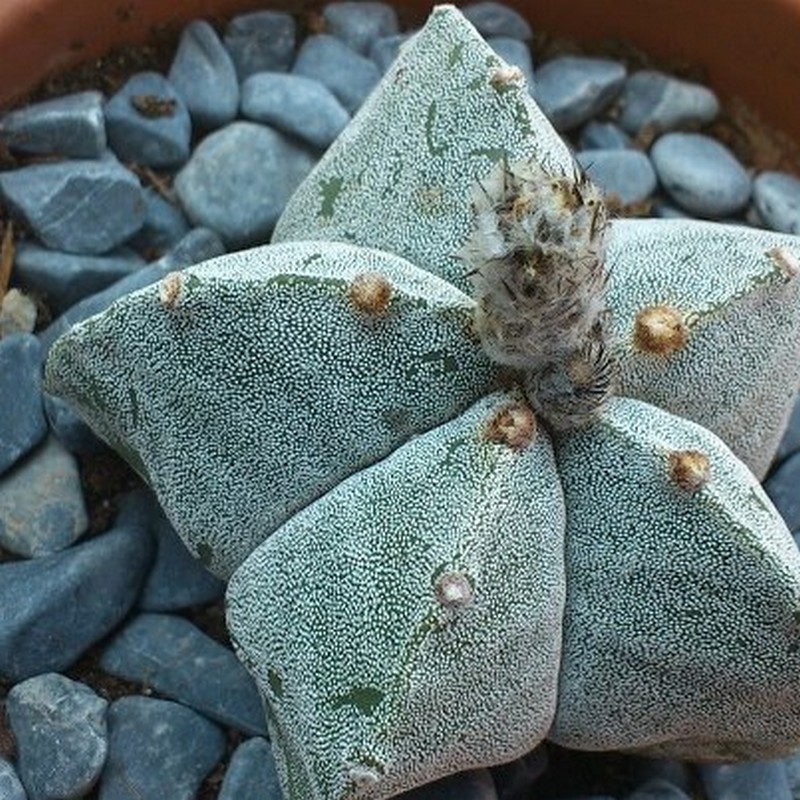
(415, 694)
(318, 418)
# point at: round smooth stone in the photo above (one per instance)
(756, 780)
(148, 122)
(204, 75)
(251, 774)
(239, 179)
(357, 24)
(627, 175)
(573, 89)
(701, 175)
(597, 135)
(299, 106)
(497, 19)
(654, 99)
(261, 41)
(777, 200)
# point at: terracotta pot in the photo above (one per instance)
(749, 47)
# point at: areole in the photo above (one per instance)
(748, 47)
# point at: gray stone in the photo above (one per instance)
(164, 225)
(53, 608)
(262, 41)
(299, 106)
(178, 660)
(597, 135)
(653, 99)
(700, 174)
(658, 789)
(148, 123)
(573, 89)
(625, 174)
(357, 24)
(384, 51)
(77, 206)
(516, 53)
(497, 19)
(22, 423)
(666, 210)
(475, 784)
(65, 278)
(239, 179)
(176, 579)
(11, 787)
(783, 488)
(198, 245)
(251, 774)
(793, 774)
(157, 749)
(71, 126)
(759, 780)
(790, 443)
(41, 503)
(60, 729)
(777, 199)
(350, 76)
(204, 75)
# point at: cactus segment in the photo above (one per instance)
(407, 624)
(730, 359)
(245, 387)
(400, 177)
(681, 634)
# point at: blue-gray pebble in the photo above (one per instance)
(41, 503)
(261, 41)
(53, 608)
(783, 488)
(11, 787)
(349, 75)
(597, 135)
(78, 206)
(516, 53)
(384, 51)
(164, 225)
(176, 579)
(777, 199)
(22, 423)
(178, 660)
(701, 175)
(790, 443)
(72, 126)
(157, 749)
(62, 739)
(239, 179)
(198, 245)
(497, 19)
(758, 780)
(573, 89)
(357, 24)
(301, 107)
(204, 75)
(148, 123)
(651, 98)
(70, 429)
(251, 774)
(65, 278)
(474, 784)
(658, 789)
(625, 174)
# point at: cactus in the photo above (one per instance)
(456, 525)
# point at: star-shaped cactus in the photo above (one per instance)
(435, 562)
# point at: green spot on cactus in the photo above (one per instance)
(364, 698)
(431, 133)
(275, 682)
(456, 56)
(330, 190)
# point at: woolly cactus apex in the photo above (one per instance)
(407, 624)
(707, 318)
(399, 178)
(682, 623)
(243, 388)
